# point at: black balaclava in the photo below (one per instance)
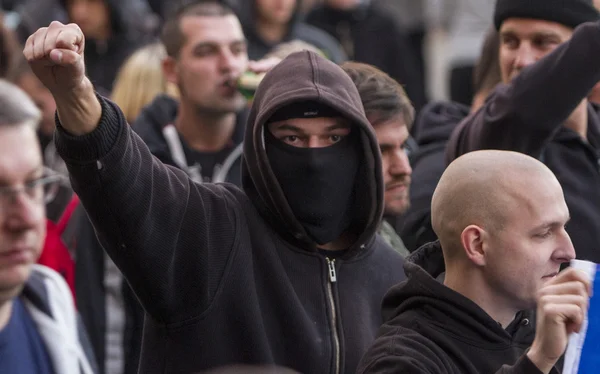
(318, 183)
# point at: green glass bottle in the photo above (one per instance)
(248, 83)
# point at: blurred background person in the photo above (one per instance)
(113, 30)
(372, 35)
(391, 114)
(267, 23)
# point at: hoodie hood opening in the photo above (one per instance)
(306, 76)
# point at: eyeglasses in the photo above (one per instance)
(40, 191)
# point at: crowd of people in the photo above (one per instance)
(264, 186)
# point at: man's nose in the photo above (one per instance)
(526, 55)
(23, 213)
(228, 60)
(399, 163)
(566, 251)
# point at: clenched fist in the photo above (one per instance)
(55, 54)
(561, 308)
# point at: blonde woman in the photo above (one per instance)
(140, 80)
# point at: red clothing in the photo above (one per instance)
(55, 254)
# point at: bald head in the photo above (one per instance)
(484, 188)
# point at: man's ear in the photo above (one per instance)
(473, 239)
(170, 70)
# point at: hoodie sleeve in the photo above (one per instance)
(160, 229)
(522, 366)
(524, 115)
(422, 361)
(402, 350)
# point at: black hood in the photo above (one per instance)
(306, 76)
(456, 314)
(437, 120)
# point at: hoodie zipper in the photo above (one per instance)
(336, 338)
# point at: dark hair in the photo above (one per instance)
(9, 48)
(486, 74)
(172, 37)
(383, 98)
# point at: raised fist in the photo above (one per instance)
(55, 54)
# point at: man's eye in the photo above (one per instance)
(336, 138)
(544, 235)
(203, 52)
(511, 43)
(290, 138)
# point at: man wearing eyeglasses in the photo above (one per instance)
(36, 307)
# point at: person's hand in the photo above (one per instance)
(264, 65)
(55, 54)
(561, 309)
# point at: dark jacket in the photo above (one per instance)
(298, 30)
(432, 131)
(229, 276)
(431, 329)
(161, 112)
(132, 25)
(372, 35)
(527, 116)
(93, 286)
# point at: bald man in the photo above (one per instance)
(500, 218)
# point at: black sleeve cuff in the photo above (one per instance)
(525, 366)
(93, 146)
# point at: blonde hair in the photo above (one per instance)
(140, 79)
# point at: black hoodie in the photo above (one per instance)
(432, 329)
(229, 276)
(298, 30)
(432, 131)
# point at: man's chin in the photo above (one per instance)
(397, 205)
(393, 210)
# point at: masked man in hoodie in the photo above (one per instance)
(287, 271)
(500, 217)
(39, 327)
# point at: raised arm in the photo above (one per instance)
(524, 114)
(171, 238)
